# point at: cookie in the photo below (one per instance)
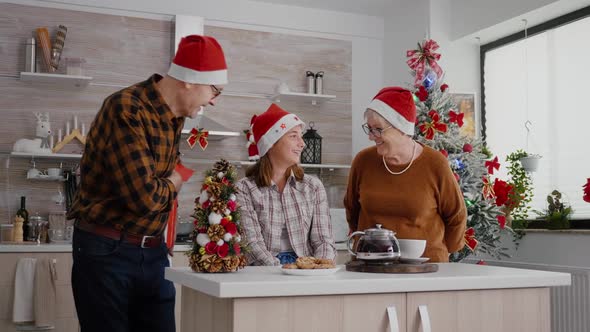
(291, 266)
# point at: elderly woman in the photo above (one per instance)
(284, 212)
(404, 185)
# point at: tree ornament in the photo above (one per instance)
(215, 232)
(215, 218)
(429, 79)
(220, 175)
(468, 148)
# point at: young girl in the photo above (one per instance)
(285, 212)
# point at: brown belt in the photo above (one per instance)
(144, 241)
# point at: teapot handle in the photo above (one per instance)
(350, 238)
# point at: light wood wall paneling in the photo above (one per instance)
(126, 50)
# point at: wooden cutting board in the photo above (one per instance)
(360, 266)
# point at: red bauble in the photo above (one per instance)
(467, 148)
(211, 248)
(222, 250)
(231, 228)
(237, 248)
(444, 152)
(444, 87)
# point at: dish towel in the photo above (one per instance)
(44, 298)
(24, 281)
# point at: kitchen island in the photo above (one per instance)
(458, 297)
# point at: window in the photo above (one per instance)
(544, 78)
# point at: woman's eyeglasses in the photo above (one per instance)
(375, 131)
(216, 91)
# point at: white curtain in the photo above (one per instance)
(543, 79)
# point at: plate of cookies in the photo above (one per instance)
(310, 266)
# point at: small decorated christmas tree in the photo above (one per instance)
(217, 243)
(438, 125)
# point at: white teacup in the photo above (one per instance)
(55, 172)
(411, 248)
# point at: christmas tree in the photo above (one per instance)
(438, 125)
(217, 243)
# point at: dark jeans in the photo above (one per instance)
(119, 287)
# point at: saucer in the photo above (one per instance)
(414, 260)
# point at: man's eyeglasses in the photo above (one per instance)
(375, 131)
(216, 91)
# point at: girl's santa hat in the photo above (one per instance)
(268, 127)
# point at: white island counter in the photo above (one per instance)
(459, 297)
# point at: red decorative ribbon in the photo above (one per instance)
(492, 164)
(198, 135)
(587, 191)
(470, 240)
(456, 117)
(421, 56)
(430, 128)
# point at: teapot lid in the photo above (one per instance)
(379, 232)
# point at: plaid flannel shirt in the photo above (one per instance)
(131, 148)
(302, 207)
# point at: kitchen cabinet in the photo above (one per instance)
(67, 320)
(458, 297)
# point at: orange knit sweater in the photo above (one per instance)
(425, 202)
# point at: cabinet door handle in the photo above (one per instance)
(393, 323)
(424, 318)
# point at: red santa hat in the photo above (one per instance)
(199, 60)
(397, 106)
(268, 127)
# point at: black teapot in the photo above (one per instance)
(375, 245)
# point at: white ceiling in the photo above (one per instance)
(363, 7)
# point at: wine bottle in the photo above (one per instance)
(23, 213)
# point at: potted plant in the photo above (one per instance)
(522, 192)
(529, 162)
(557, 214)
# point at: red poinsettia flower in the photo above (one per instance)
(456, 117)
(468, 148)
(211, 248)
(222, 250)
(503, 191)
(488, 188)
(470, 240)
(237, 248)
(430, 128)
(230, 228)
(501, 220)
(587, 191)
(206, 204)
(491, 164)
(224, 221)
(444, 152)
(422, 93)
(232, 205)
(444, 87)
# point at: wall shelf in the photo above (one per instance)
(312, 98)
(46, 155)
(57, 79)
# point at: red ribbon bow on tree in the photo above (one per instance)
(470, 240)
(456, 117)
(587, 191)
(492, 164)
(198, 135)
(430, 128)
(421, 56)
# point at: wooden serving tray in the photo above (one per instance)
(360, 266)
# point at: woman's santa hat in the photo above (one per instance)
(268, 127)
(199, 60)
(397, 106)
